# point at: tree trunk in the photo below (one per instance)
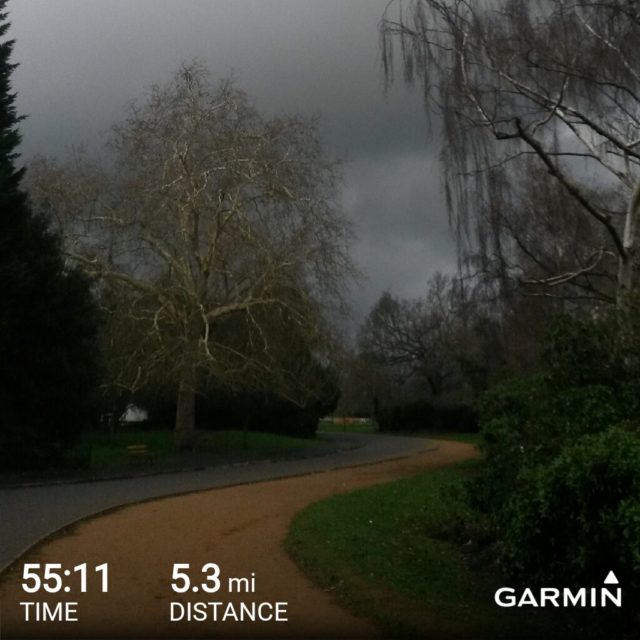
(625, 280)
(245, 432)
(628, 262)
(185, 428)
(435, 386)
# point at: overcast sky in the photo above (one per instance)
(81, 61)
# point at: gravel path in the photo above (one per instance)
(27, 514)
(240, 528)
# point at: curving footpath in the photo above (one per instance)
(29, 514)
(241, 528)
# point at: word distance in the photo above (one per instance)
(209, 579)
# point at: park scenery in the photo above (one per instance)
(320, 319)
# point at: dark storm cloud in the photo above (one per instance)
(81, 61)
(394, 199)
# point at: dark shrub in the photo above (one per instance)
(262, 412)
(407, 417)
(572, 521)
(561, 482)
(525, 422)
(421, 416)
(576, 352)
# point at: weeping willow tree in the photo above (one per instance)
(534, 97)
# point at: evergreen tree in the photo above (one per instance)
(47, 314)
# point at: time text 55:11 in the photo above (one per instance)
(54, 578)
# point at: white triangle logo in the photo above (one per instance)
(611, 578)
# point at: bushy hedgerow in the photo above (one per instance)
(427, 416)
(265, 412)
(575, 519)
(561, 483)
(527, 421)
(220, 409)
(589, 381)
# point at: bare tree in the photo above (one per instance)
(441, 340)
(554, 80)
(411, 337)
(220, 227)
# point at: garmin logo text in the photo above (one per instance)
(565, 597)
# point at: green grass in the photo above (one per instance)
(343, 427)
(371, 427)
(257, 442)
(469, 438)
(107, 451)
(390, 552)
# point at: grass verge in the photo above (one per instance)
(470, 438)
(111, 451)
(347, 425)
(390, 552)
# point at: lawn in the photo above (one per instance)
(110, 451)
(397, 553)
(348, 425)
(469, 438)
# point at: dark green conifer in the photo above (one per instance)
(47, 314)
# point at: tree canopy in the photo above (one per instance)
(220, 230)
(550, 85)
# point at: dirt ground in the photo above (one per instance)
(241, 529)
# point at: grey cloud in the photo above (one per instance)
(396, 205)
(81, 61)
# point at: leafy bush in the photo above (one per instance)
(527, 421)
(424, 415)
(577, 352)
(268, 413)
(572, 521)
(589, 383)
(604, 349)
(561, 482)
(408, 417)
